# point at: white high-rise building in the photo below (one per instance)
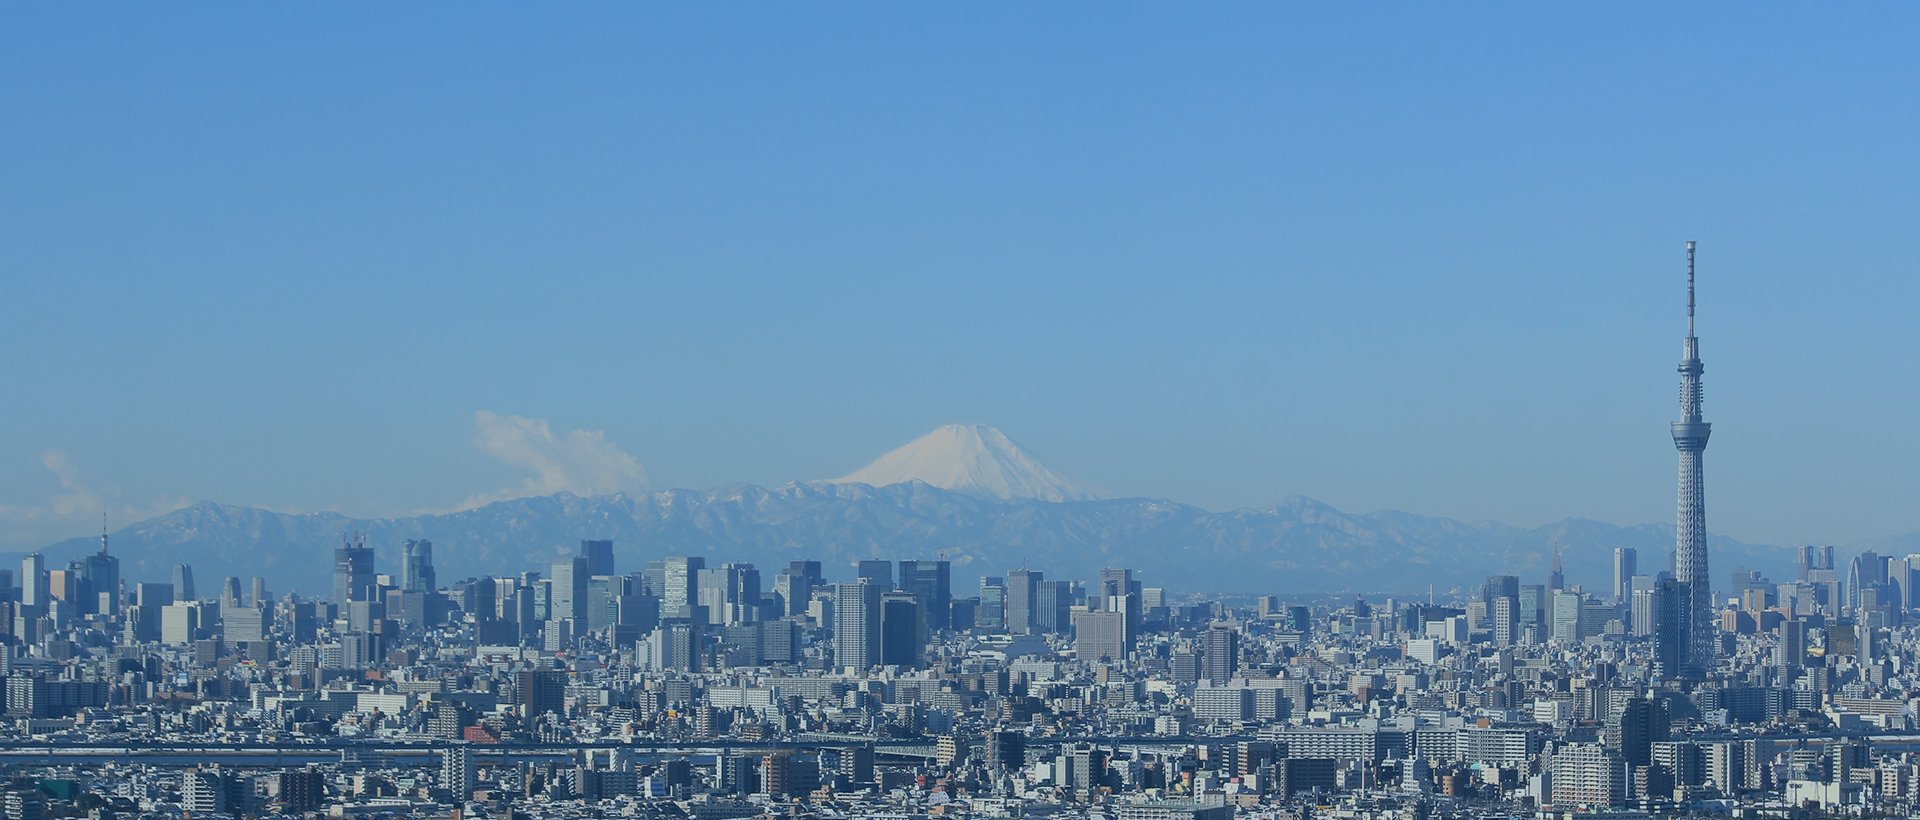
(457, 773)
(1586, 775)
(179, 623)
(33, 580)
(856, 624)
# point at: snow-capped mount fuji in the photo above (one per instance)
(975, 460)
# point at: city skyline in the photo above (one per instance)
(1071, 411)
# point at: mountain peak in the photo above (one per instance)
(977, 460)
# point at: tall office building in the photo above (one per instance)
(599, 556)
(33, 580)
(1022, 587)
(877, 572)
(856, 624)
(1791, 651)
(1098, 635)
(416, 568)
(992, 613)
(794, 592)
(1533, 604)
(1814, 559)
(1497, 587)
(1120, 593)
(1220, 655)
(903, 629)
(183, 582)
(1052, 601)
(679, 588)
(568, 600)
(1666, 607)
(1506, 621)
(1501, 595)
(730, 593)
(230, 593)
(1556, 580)
(102, 572)
(1624, 561)
(808, 569)
(1690, 541)
(932, 582)
(352, 572)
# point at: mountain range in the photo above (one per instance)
(1296, 546)
(966, 492)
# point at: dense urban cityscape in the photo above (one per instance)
(441, 411)
(682, 690)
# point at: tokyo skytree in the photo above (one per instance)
(1690, 540)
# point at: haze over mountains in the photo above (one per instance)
(965, 491)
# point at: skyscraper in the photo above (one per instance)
(877, 572)
(794, 592)
(352, 572)
(1052, 601)
(932, 582)
(856, 624)
(1625, 560)
(903, 624)
(1220, 653)
(1022, 587)
(807, 569)
(183, 583)
(1690, 541)
(1556, 580)
(1501, 594)
(599, 556)
(1120, 593)
(569, 599)
(102, 572)
(33, 580)
(730, 593)
(1666, 611)
(679, 588)
(416, 569)
(992, 614)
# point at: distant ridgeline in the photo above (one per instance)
(1295, 546)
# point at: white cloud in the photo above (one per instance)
(582, 462)
(77, 510)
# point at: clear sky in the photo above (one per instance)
(382, 258)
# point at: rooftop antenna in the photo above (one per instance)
(103, 532)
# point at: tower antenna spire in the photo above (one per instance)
(1689, 287)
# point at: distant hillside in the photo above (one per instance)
(1295, 546)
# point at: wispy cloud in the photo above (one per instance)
(76, 509)
(582, 462)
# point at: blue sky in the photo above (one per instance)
(1425, 256)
